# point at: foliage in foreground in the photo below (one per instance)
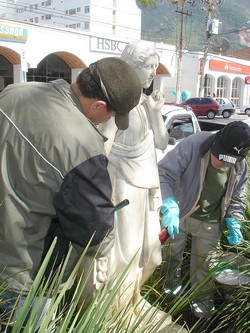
(65, 313)
(232, 302)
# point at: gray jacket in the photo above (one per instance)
(53, 168)
(182, 172)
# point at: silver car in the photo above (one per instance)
(227, 106)
(245, 109)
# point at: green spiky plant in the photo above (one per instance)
(64, 313)
(232, 314)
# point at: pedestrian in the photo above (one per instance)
(54, 167)
(203, 184)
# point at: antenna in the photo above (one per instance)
(219, 45)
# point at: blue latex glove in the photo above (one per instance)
(170, 216)
(235, 235)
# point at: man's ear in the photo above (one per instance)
(99, 106)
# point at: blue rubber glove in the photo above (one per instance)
(170, 216)
(235, 235)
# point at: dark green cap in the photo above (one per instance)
(120, 84)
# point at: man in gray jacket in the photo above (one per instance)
(203, 184)
(53, 175)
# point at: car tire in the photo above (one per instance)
(226, 114)
(247, 111)
(210, 114)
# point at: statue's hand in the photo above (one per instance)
(155, 101)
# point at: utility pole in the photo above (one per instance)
(204, 59)
(180, 53)
(211, 6)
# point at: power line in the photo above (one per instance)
(157, 35)
(56, 13)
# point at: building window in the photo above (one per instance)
(42, 3)
(36, 19)
(6, 72)
(48, 3)
(36, 6)
(48, 17)
(236, 88)
(86, 9)
(78, 9)
(74, 26)
(50, 68)
(31, 19)
(86, 25)
(72, 11)
(207, 86)
(221, 87)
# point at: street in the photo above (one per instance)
(219, 122)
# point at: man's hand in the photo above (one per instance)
(170, 216)
(235, 235)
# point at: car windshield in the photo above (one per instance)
(181, 128)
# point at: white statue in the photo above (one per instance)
(134, 176)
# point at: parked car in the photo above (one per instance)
(247, 121)
(180, 122)
(227, 106)
(204, 106)
(245, 109)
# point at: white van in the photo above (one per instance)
(180, 122)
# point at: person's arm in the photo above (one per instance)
(154, 104)
(171, 168)
(173, 165)
(236, 210)
(83, 204)
(237, 204)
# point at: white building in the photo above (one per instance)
(223, 77)
(41, 41)
(107, 17)
(32, 52)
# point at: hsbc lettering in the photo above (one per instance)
(108, 45)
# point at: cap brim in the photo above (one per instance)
(122, 121)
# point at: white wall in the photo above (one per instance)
(43, 41)
(190, 74)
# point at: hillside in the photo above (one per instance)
(162, 24)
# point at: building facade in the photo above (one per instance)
(30, 52)
(223, 77)
(107, 17)
(46, 40)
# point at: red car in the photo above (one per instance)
(204, 106)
